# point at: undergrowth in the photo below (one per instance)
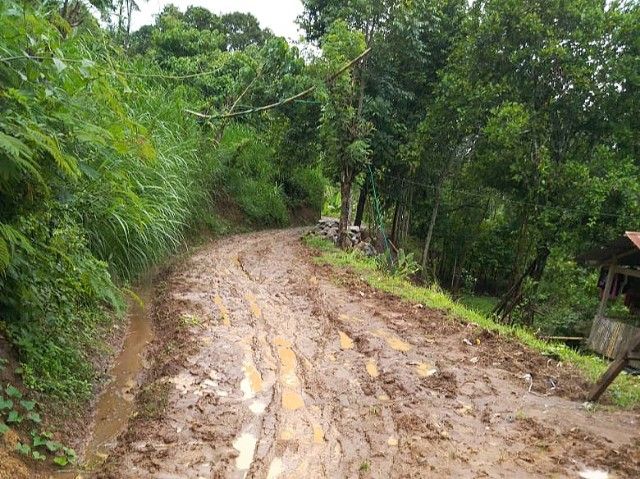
(624, 391)
(103, 175)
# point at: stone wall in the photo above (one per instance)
(359, 237)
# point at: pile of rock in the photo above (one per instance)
(358, 237)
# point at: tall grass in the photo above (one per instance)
(101, 176)
(136, 210)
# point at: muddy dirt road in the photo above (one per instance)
(280, 369)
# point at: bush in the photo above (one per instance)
(402, 266)
(56, 299)
(305, 187)
(565, 300)
(248, 174)
(100, 177)
(262, 201)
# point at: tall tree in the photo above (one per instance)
(344, 132)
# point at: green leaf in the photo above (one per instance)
(59, 64)
(13, 392)
(61, 460)
(53, 446)
(14, 416)
(70, 453)
(13, 146)
(35, 417)
(5, 403)
(28, 405)
(5, 254)
(39, 440)
(3, 428)
(23, 448)
(38, 456)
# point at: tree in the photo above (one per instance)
(242, 30)
(344, 133)
(533, 82)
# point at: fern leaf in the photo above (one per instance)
(50, 145)
(13, 146)
(5, 255)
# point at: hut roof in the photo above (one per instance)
(624, 251)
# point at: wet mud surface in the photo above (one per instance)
(268, 366)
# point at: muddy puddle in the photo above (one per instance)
(115, 404)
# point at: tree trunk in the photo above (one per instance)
(129, 13)
(519, 261)
(513, 297)
(432, 222)
(466, 246)
(346, 180)
(405, 219)
(120, 16)
(394, 223)
(362, 199)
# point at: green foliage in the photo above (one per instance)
(55, 298)
(13, 392)
(40, 442)
(248, 173)
(402, 265)
(331, 206)
(100, 178)
(564, 302)
(343, 131)
(5, 404)
(305, 186)
(23, 449)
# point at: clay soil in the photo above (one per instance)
(266, 365)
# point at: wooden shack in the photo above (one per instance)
(620, 275)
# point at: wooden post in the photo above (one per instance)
(607, 290)
(614, 369)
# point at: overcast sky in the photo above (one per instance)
(278, 15)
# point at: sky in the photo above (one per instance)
(277, 15)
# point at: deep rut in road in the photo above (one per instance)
(267, 367)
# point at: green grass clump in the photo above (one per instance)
(625, 390)
(480, 304)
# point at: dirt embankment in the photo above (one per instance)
(266, 366)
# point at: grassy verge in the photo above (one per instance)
(625, 391)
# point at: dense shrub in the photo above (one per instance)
(565, 300)
(56, 301)
(305, 186)
(263, 188)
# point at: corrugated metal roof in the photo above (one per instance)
(627, 245)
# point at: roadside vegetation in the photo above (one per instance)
(624, 392)
(103, 173)
(492, 141)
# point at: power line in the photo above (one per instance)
(295, 97)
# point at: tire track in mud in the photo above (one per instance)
(295, 376)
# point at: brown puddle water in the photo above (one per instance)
(115, 403)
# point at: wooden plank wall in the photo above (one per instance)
(610, 337)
